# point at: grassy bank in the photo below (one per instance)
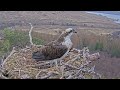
(100, 43)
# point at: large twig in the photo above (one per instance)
(30, 34)
(13, 51)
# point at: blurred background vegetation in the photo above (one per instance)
(100, 43)
(95, 42)
(14, 38)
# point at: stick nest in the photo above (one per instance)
(20, 65)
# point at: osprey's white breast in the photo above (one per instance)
(67, 41)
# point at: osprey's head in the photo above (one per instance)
(66, 37)
(66, 34)
(69, 30)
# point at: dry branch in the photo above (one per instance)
(12, 52)
(30, 34)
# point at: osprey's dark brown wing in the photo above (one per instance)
(52, 43)
(50, 52)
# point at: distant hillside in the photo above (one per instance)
(70, 18)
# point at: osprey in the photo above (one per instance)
(56, 49)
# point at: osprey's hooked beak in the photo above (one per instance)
(74, 31)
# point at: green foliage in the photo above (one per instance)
(84, 42)
(6, 45)
(37, 41)
(15, 38)
(99, 46)
(115, 52)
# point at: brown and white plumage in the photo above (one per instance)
(55, 49)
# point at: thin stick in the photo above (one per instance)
(38, 74)
(62, 71)
(92, 69)
(69, 77)
(65, 64)
(77, 56)
(19, 72)
(47, 76)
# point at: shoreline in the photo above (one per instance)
(115, 18)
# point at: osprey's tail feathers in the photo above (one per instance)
(38, 56)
